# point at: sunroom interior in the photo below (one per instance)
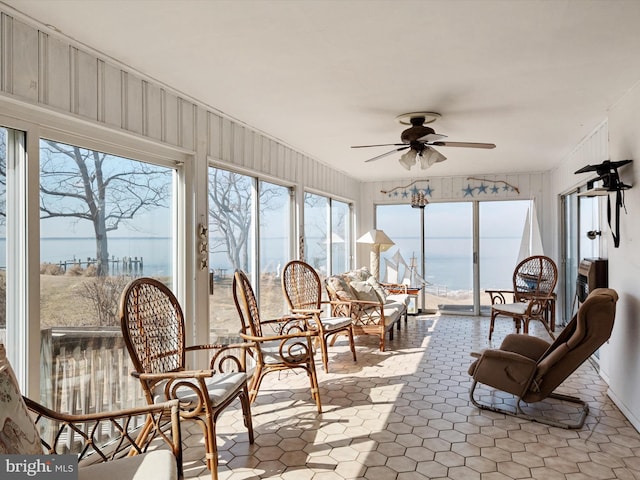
(183, 140)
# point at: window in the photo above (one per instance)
(327, 234)
(275, 244)
(316, 232)
(249, 230)
(3, 235)
(580, 214)
(103, 220)
(340, 236)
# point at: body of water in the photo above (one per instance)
(448, 260)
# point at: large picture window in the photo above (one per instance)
(104, 219)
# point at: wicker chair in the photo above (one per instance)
(128, 455)
(124, 444)
(153, 328)
(303, 290)
(279, 344)
(534, 279)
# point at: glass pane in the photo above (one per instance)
(316, 220)
(401, 223)
(340, 237)
(449, 256)
(3, 235)
(589, 221)
(501, 231)
(572, 259)
(231, 238)
(104, 220)
(275, 221)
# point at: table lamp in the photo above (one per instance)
(379, 242)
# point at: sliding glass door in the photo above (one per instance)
(459, 249)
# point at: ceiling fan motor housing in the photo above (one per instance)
(412, 134)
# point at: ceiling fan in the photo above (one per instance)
(419, 139)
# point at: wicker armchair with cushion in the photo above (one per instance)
(531, 369)
(278, 344)
(303, 290)
(135, 450)
(532, 297)
(153, 327)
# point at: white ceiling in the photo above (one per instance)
(533, 77)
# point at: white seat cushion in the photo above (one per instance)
(332, 323)
(220, 387)
(517, 308)
(155, 465)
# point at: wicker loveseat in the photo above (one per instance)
(357, 294)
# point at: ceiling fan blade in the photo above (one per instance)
(431, 137)
(388, 153)
(463, 144)
(380, 145)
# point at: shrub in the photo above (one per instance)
(74, 271)
(51, 269)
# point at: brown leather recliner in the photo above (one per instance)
(531, 369)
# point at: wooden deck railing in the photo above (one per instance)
(86, 370)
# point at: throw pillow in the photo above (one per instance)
(359, 275)
(365, 291)
(18, 433)
(378, 288)
(340, 288)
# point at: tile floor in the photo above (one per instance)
(405, 414)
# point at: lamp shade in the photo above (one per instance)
(429, 156)
(377, 237)
(379, 242)
(408, 159)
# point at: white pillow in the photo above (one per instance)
(365, 291)
(378, 288)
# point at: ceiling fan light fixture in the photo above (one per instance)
(429, 156)
(408, 159)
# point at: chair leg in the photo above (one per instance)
(246, 412)
(352, 343)
(492, 324)
(313, 379)
(207, 426)
(325, 353)
(256, 380)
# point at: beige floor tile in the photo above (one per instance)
(405, 414)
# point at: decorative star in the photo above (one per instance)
(505, 188)
(495, 189)
(395, 194)
(468, 192)
(414, 191)
(428, 190)
(482, 188)
(405, 194)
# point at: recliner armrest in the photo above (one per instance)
(504, 370)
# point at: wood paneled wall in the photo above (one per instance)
(42, 68)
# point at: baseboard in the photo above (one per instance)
(635, 421)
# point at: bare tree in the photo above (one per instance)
(230, 207)
(87, 185)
